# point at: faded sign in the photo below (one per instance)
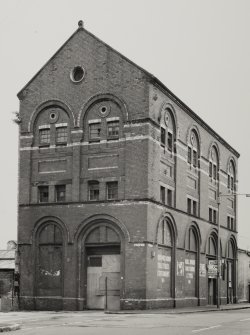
(212, 269)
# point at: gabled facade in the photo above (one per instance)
(118, 189)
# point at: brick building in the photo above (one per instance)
(118, 189)
(8, 274)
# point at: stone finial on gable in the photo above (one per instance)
(80, 24)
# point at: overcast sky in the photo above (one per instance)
(200, 49)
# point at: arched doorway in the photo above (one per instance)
(192, 263)
(165, 259)
(101, 267)
(49, 265)
(212, 269)
(231, 277)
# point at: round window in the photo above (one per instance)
(53, 115)
(103, 111)
(77, 74)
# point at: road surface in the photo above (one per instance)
(232, 322)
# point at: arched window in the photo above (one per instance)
(167, 129)
(103, 120)
(191, 263)
(231, 177)
(164, 234)
(213, 164)
(49, 265)
(193, 149)
(212, 246)
(52, 127)
(230, 250)
(165, 240)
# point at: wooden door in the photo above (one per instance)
(103, 282)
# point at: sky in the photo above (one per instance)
(200, 49)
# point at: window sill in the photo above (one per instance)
(62, 144)
(93, 140)
(113, 138)
(44, 145)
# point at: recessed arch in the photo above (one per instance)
(172, 225)
(166, 106)
(97, 219)
(98, 98)
(100, 244)
(47, 104)
(55, 220)
(212, 145)
(195, 129)
(193, 225)
(231, 242)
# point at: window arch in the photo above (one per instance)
(168, 131)
(52, 127)
(231, 177)
(212, 246)
(193, 149)
(49, 260)
(230, 250)
(103, 118)
(214, 164)
(164, 234)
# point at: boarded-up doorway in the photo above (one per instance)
(103, 282)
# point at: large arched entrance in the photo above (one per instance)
(192, 260)
(212, 269)
(49, 266)
(231, 272)
(101, 269)
(166, 259)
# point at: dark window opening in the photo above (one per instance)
(210, 169)
(78, 74)
(195, 160)
(95, 131)
(169, 197)
(195, 208)
(210, 215)
(60, 193)
(61, 135)
(189, 155)
(112, 190)
(163, 136)
(170, 141)
(43, 193)
(113, 129)
(189, 206)
(94, 190)
(215, 172)
(95, 261)
(44, 137)
(162, 194)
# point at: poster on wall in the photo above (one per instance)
(180, 269)
(212, 269)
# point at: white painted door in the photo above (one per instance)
(103, 282)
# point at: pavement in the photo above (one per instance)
(184, 310)
(9, 327)
(5, 327)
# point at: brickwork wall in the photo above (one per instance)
(136, 161)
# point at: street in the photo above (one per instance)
(93, 322)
